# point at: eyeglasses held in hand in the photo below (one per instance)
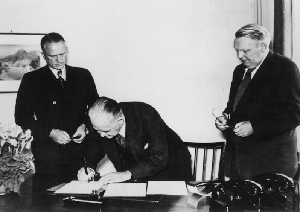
(228, 122)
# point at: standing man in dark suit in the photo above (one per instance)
(260, 119)
(52, 102)
(138, 142)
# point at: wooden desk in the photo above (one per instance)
(27, 200)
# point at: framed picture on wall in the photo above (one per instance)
(19, 53)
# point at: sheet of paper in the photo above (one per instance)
(55, 188)
(126, 190)
(167, 187)
(105, 166)
(77, 187)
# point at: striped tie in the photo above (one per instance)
(242, 88)
(61, 80)
(120, 140)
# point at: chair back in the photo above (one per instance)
(207, 163)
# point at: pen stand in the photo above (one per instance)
(82, 202)
(93, 199)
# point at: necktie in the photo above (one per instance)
(120, 140)
(61, 80)
(244, 84)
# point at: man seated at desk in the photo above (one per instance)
(137, 141)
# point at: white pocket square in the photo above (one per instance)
(146, 146)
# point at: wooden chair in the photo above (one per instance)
(206, 160)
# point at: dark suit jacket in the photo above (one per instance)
(158, 152)
(42, 105)
(271, 103)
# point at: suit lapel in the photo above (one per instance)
(69, 79)
(72, 80)
(48, 83)
(132, 131)
(252, 88)
(48, 77)
(68, 90)
(265, 67)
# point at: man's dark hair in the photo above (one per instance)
(52, 37)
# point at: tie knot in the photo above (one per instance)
(60, 79)
(248, 73)
(59, 73)
(250, 70)
(120, 140)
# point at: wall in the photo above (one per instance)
(296, 33)
(176, 55)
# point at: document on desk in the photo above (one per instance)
(126, 190)
(77, 187)
(167, 187)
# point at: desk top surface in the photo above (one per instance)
(27, 200)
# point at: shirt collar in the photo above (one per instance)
(123, 128)
(54, 71)
(257, 67)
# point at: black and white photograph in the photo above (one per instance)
(150, 105)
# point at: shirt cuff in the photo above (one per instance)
(128, 173)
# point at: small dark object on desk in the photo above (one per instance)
(96, 176)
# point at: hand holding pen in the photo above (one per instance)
(85, 174)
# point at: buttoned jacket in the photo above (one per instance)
(271, 103)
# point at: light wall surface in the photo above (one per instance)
(176, 55)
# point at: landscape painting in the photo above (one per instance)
(16, 60)
(19, 54)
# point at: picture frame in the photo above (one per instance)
(19, 54)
